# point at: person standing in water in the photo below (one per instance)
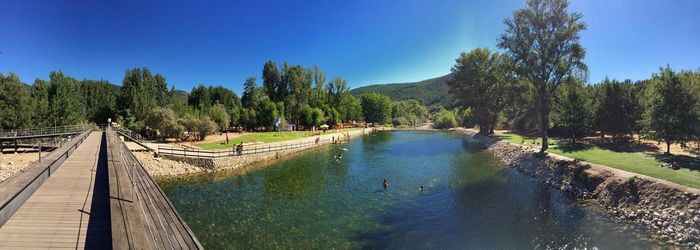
(386, 184)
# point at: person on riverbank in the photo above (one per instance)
(385, 184)
(239, 149)
(226, 137)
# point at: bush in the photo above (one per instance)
(445, 119)
(400, 121)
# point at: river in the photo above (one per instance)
(469, 201)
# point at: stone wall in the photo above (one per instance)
(671, 212)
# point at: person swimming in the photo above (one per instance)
(421, 189)
(386, 184)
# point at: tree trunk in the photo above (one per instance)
(668, 148)
(544, 115)
(573, 138)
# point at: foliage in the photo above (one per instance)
(14, 100)
(65, 100)
(220, 117)
(445, 119)
(376, 108)
(164, 121)
(572, 110)
(617, 110)
(543, 41)
(479, 82)
(670, 116)
(206, 127)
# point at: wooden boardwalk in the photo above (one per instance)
(70, 209)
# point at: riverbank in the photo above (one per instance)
(10, 164)
(165, 167)
(670, 210)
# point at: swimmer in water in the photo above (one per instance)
(386, 184)
(421, 189)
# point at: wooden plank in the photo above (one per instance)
(63, 212)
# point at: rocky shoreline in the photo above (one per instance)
(671, 211)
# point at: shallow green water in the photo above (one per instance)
(314, 201)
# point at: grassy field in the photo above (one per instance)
(636, 162)
(266, 137)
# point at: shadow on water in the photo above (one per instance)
(99, 226)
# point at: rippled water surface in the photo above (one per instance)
(470, 201)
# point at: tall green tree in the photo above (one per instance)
(271, 80)
(99, 99)
(141, 92)
(479, 80)
(617, 111)
(249, 99)
(572, 110)
(543, 40)
(376, 108)
(65, 100)
(670, 116)
(14, 103)
(41, 113)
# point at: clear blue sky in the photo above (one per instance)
(366, 42)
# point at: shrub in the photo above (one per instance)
(445, 119)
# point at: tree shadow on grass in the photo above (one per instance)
(568, 147)
(689, 162)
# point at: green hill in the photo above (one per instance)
(428, 92)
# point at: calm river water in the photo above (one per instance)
(470, 201)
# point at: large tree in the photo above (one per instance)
(376, 108)
(14, 103)
(65, 100)
(572, 110)
(271, 80)
(543, 40)
(670, 116)
(479, 80)
(617, 109)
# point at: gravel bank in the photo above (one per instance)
(10, 164)
(669, 210)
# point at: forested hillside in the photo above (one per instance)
(428, 92)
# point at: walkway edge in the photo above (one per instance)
(17, 189)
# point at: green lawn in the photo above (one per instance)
(265, 137)
(636, 162)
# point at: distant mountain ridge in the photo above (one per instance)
(429, 92)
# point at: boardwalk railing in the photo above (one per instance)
(247, 149)
(34, 132)
(142, 216)
(18, 188)
(133, 136)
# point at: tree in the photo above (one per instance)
(376, 108)
(479, 80)
(617, 111)
(41, 113)
(318, 95)
(206, 127)
(249, 99)
(267, 113)
(220, 116)
(65, 100)
(271, 79)
(350, 108)
(670, 116)
(199, 98)
(14, 101)
(543, 40)
(141, 92)
(165, 121)
(445, 119)
(337, 89)
(571, 112)
(99, 99)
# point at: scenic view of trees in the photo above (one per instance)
(540, 83)
(145, 103)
